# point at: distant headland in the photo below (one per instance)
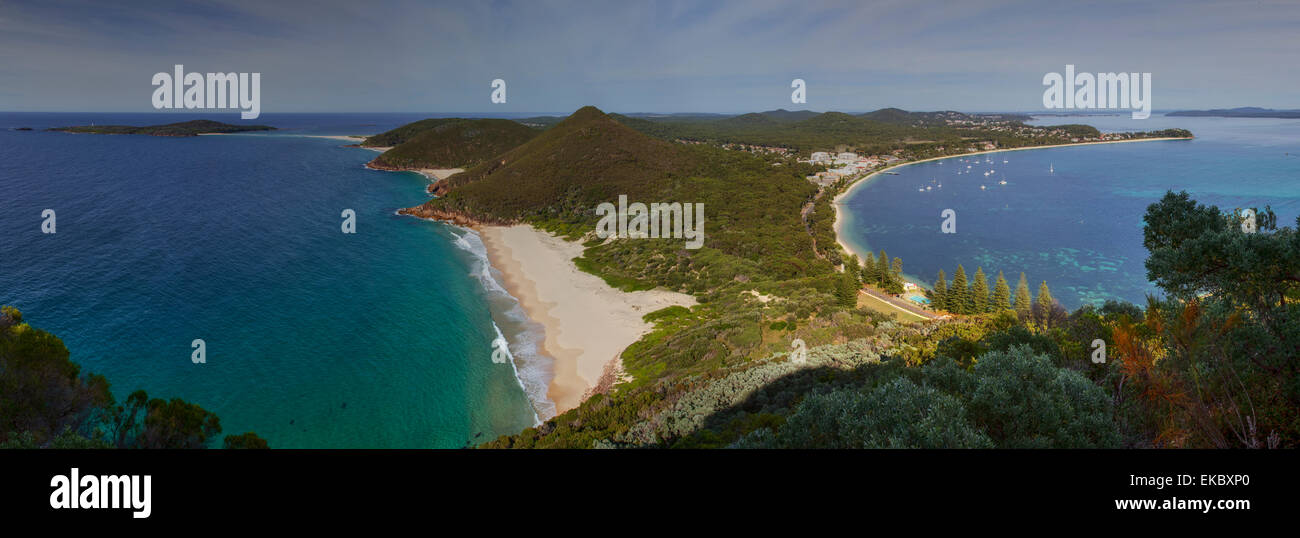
(1241, 112)
(187, 128)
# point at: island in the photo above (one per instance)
(1240, 112)
(186, 128)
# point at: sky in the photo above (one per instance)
(642, 56)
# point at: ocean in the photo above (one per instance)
(314, 338)
(1072, 216)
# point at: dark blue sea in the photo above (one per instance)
(314, 338)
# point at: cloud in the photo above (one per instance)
(648, 56)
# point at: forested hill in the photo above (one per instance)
(556, 180)
(937, 119)
(447, 143)
(889, 130)
(586, 159)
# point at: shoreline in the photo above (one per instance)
(838, 225)
(434, 175)
(588, 324)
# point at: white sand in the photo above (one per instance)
(349, 138)
(436, 174)
(588, 323)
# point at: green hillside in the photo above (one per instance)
(586, 159)
(453, 143)
(401, 134)
(889, 130)
(557, 179)
(920, 134)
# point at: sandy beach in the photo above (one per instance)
(838, 201)
(588, 323)
(435, 174)
(345, 138)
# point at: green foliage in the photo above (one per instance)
(939, 296)
(46, 402)
(917, 134)
(1023, 300)
(42, 392)
(1024, 401)
(1045, 296)
(449, 143)
(1214, 364)
(394, 137)
(173, 423)
(899, 414)
(247, 440)
(959, 293)
(846, 289)
(979, 292)
(1198, 250)
(1001, 298)
(10, 316)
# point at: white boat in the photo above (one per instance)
(982, 187)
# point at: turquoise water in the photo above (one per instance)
(1072, 216)
(314, 338)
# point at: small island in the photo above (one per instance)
(187, 128)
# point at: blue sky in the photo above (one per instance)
(633, 56)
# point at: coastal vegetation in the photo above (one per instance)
(974, 296)
(186, 128)
(1212, 364)
(1012, 369)
(447, 143)
(46, 401)
(885, 131)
